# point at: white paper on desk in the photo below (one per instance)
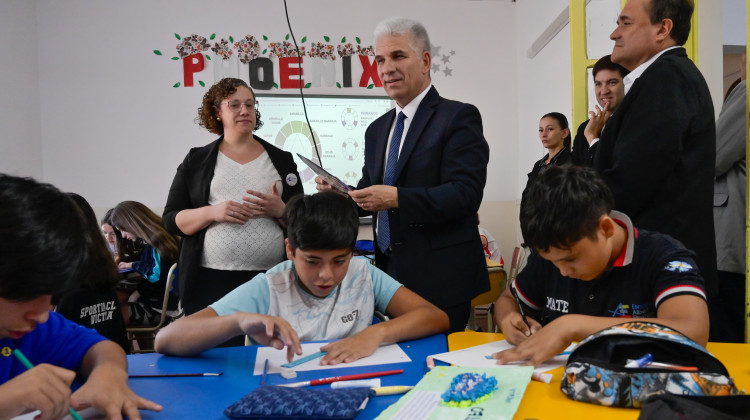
(474, 357)
(391, 353)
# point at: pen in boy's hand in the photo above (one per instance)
(520, 307)
(25, 362)
(265, 373)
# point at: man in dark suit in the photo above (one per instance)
(657, 152)
(423, 178)
(609, 90)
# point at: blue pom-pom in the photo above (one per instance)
(468, 389)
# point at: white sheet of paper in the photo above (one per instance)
(391, 353)
(474, 356)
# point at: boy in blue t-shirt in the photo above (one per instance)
(591, 269)
(319, 294)
(43, 246)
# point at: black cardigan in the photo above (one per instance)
(190, 189)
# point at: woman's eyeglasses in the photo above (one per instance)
(235, 106)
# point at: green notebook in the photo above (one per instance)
(424, 401)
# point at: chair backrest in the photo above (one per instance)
(167, 293)
(515, 264)
(496, 277)
(164, 305)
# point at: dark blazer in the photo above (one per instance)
(581, 154)
(190, 189)
(657, 155)
(441, 172)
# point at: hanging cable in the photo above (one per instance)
(301, 94)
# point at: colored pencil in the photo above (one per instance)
(175, 375)
(390, 390)
(304, 359)
(25, 362)
(520, 307)
(356, 376)
(265, 373)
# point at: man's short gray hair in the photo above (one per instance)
(419, 41)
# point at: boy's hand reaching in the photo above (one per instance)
(45, 388)
(516, 331)
(539, 347)
(353, 348)
(107, 390)
(271, 331)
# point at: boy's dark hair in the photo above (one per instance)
(605, 63)
(43, 240)
(562, 206)
(326, 220)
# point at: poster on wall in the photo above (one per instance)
(338, 131)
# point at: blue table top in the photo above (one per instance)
(207, 397)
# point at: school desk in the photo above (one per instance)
(546, 402)
(207, 397)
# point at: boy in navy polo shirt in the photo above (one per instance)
(43, 246)
(591, 268)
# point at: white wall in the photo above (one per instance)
(20, 121)
(735, 22)
(90, 108)
(710, 51)
(106, 93)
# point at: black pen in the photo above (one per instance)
(520, 308)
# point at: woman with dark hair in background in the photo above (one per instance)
(136, 221)
(93, 301)
(227, 199)
(555, 136)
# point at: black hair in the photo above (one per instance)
(563, 121)
(562, 206)
(101, 274)
(42, 247)
(679, 11)
(326, 220)
(605, 63)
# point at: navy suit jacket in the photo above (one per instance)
(440, 176)
(657, 156)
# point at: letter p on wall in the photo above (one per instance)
(190, 65)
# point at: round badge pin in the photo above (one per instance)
(291, 179)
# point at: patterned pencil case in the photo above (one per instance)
(276, 402)
(596, 371)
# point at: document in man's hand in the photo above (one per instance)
(327, 176)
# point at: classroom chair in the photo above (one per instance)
(515, 263)
(142, 338)
(481, 305)
(515, 266)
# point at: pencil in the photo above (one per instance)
(331, 379)
(520, 307)
(175, 375)
(25, 362)
(265, 373)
